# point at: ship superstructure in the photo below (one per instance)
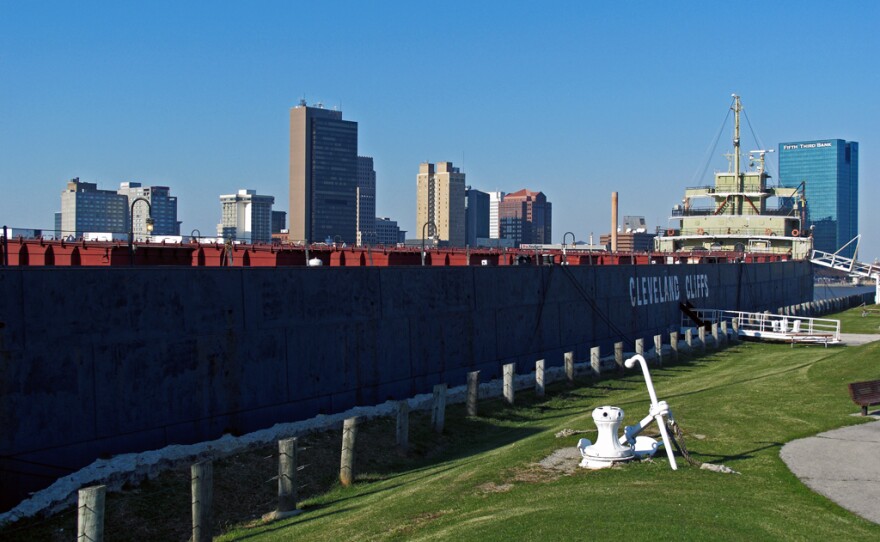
(741, 212)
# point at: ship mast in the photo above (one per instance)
(737, 107)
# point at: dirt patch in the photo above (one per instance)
(417, 522)
(492, 487)
(562, 462)
(535, 474)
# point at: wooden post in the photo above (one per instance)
(473, 392)
(715, 339)
(689, 338)
(346, 465)
(702, 331)
(569, 366)
(403, 425)
(287, 449)
(202, 482)
(90, 516)
(723, 333)
(735, 324)
(640, 347)
(658, 349)
(509, 370)
(618, 356)
(539, 378)
(438, 408)
(673, 344)
(595, 361)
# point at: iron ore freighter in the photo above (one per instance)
(104, 350)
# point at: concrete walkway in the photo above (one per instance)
(843, 465)
(855, 339)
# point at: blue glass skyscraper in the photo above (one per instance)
(830, 169)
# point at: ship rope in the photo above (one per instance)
(545, 287)
(707, 158)
(760, 146)
(592, 303)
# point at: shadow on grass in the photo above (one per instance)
(747, 454)
(745, 380)
(297, 520)
(462, 437)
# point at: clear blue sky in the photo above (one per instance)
(574, 99)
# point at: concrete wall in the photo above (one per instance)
(96, 362)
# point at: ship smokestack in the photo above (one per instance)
(614, 222)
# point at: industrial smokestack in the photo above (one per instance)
(614, 222)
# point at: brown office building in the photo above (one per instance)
(323, 175)
(525, 217)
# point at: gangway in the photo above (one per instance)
(851, 266)
(772, 327)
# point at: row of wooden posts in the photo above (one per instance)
(91, 499)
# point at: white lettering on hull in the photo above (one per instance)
(654, 290)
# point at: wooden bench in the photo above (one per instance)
(865, 394)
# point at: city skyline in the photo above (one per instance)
(587, 100)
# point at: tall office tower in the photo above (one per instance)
(246, 217)
(525, 217)
(387, 232)
(84, 209)
(323, 175)
(279, 221)
(494, 199)
(440, 200)
(366, 202)
(830, 169)
(476, 217)
(162, 208)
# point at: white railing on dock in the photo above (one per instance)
(775, 327)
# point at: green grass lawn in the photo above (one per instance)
(738, 407)
(852, 321)
(480, 479)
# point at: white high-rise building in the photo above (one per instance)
(494, 199)
(246, 217)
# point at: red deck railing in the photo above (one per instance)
(21, 252)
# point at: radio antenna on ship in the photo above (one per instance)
(737, 107)
(758, 157)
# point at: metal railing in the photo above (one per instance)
(772, 326)
(842, 263)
